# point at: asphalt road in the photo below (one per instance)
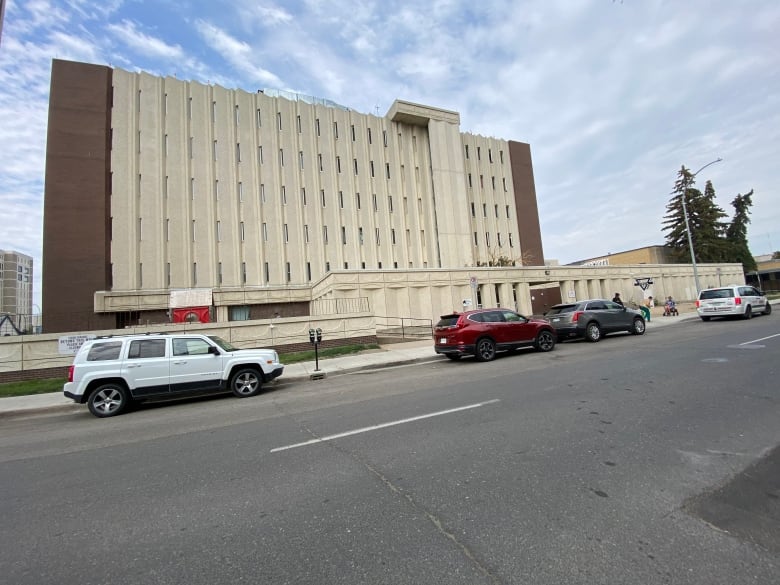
(617, 462)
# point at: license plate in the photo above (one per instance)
(443, 340)
(556, 320)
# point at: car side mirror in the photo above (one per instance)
(213, 349)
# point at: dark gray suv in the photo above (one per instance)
(593, 318)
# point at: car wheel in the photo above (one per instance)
(108, 400)
(453, 356)
(593, 332)
(768, 309)
(486, 350)
(705, 318)
(246, 382)
(639, 327)
(544, 341)
(748, 312)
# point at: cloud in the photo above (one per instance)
(237, 53)
(143, 44)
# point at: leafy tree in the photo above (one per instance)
(737, 232)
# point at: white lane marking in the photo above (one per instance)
(762, 339)
(384, 425)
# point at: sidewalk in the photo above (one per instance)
(393, 354)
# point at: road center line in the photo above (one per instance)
(762, 339)
(384, 425)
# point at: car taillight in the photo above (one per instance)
(698, 303)
(70, 373)
(576, 316)
(738, 301)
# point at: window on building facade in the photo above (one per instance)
(264, 229)
(344, 235)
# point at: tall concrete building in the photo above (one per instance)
(162, 194)
(16, 284)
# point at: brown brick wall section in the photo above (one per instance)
(76, 209)
(530, 236)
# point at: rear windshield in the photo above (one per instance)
(557, 310)
(717, 293)
(448, 321)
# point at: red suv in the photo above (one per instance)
(483, 332)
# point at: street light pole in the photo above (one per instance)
(686, 182)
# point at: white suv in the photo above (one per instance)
(741, 300)
(108, 373)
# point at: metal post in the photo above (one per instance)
(686, 183)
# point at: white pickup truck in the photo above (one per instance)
(109, 373)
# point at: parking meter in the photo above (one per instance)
(319, 334)
(311, 336)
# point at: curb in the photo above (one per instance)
(72, 406)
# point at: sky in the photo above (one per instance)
(613, 96)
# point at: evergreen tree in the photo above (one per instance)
(708, 228)
(736, 233)
(674, 220)
(705, 220)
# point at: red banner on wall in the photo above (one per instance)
(191, 315)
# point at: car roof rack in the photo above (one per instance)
(148, 333)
